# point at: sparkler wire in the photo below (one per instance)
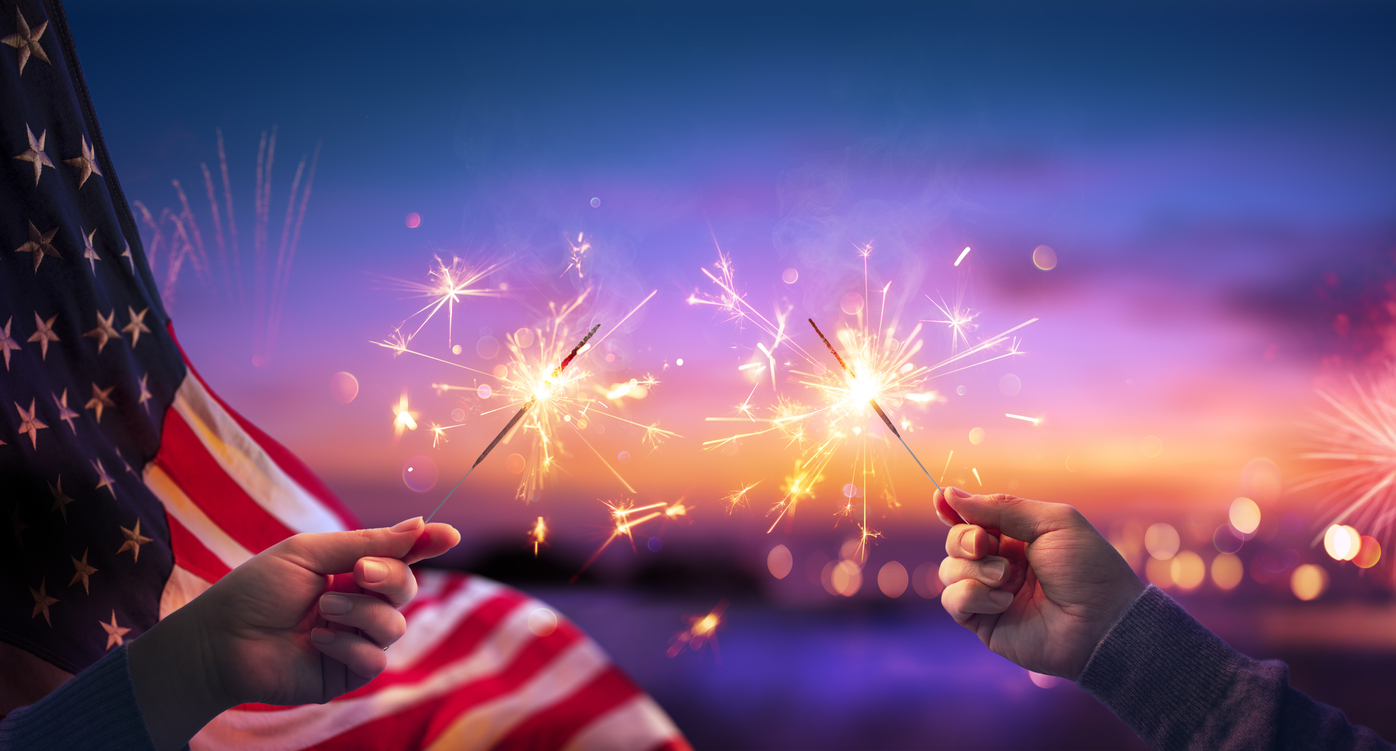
(885, 419)
(515, 419)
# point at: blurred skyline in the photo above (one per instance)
(1216, 182)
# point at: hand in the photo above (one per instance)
(305, 620)
(1034, 581)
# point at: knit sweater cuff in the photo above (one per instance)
(95, 708)
(1160, 670)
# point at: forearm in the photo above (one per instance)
(98, 703)
(1179, 686)
(176, 685)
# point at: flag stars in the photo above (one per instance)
(105, 331)
(114, 632)
(35, 154)
(89, 252)
(81, 572)
(103, 479)
(26, 40)
(42, 602)
(101, 399)
(65, 414)
(60, 500)
(44, 334)
(137, 325)
(7, 343)
(129, 259)
(85, 163)
(145, 393)
(134, 541)
(40, 244)
(29, 424)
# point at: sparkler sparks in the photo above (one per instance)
(879, 373)
(447, 285)
(538, 535)
(403, 418)
(1034, 420)
(625, 517)
(702, 629)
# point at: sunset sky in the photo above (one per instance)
(1217, 186)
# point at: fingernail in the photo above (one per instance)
(335, 604)
(374, 571)
(407, 525)
(994, 568)
(1001, 597)
(322, 636)
(959, 493)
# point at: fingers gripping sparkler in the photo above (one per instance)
(515, 419)
(876, 408)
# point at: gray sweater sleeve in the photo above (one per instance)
(94, 709)
(1179, 686)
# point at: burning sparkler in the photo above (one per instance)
(879, 373)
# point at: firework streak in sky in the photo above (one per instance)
(880, 367)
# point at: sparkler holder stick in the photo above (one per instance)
(515, 419)
(885, 419)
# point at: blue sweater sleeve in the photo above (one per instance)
(1179, 686)
(94, 709)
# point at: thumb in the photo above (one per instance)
(336, 552)
(1018, 518)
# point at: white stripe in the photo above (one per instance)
(248, 465)
(638, 725)
(178, 505)
(180, 588)
(429, 625)
(483, 725)
(303, 726)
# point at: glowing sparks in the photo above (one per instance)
(626, 517)
(702, 630)
(976, 476)
(403, 418)
(447, 285)
(963, 253)
(578, 254)
(854, 405)
(738, 498)
(1034, 420)
(538, 535)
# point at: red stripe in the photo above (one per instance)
(185, 459)
(422, 723)
(454, 583)
(554, 726)
(191, 555)
(674, 744)
(287, 461)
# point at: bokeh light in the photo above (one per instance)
(542, 622)
(344, 387)
(419, 474)
(779, 561)
(414, 220)
(1342, 542)
(1151, 446)
(845, 578)
(514, 464)
(790, 276)
(1308, 581)
(1162, 541)
(1368, 553)
(484, 391)
(1159, 572)
(892, 579)
(925, 580)
(487, 347)
(1010, 384)
(851, 304)
(976, 436)
(595, 202)
(1245, 515)
(1227, 571)
(1227, 540)
(1187, 570)
(1044, 257)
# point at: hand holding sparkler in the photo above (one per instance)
(1049, 622)
(873, 401)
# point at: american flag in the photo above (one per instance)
(127, 486)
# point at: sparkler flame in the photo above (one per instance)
(702, 630)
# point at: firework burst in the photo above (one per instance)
(1356, 442)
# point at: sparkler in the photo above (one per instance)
(872, 401)
(543, 392)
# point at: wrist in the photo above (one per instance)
(179, 687)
